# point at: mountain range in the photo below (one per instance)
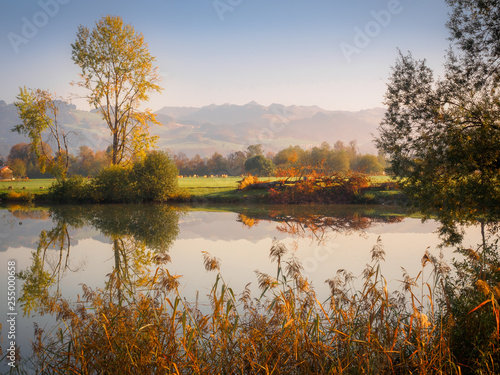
(222, 128)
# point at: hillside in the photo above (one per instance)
(229, 127)
(223, 128)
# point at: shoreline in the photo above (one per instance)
(369, 197)
(211, 191)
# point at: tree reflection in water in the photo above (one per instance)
(317, 222)
(45, 271)
(138, 234)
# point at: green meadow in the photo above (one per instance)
(211, 188)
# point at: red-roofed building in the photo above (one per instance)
(5, 173)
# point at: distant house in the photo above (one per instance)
(6, 173)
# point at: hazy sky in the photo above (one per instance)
(331, 53)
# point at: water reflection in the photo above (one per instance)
(45, 273)
(137, 234)
(317, 222)
(154, 226)
(140, 234)
(117, 248)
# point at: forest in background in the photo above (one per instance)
(325, 158)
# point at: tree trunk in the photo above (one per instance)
(115, 149)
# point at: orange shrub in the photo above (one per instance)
(248, 180)
(338, 188)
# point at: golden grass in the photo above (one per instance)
(285, 330)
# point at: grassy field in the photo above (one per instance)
(202, 186)
(34, 186)
(214, 189)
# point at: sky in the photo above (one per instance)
(331, 53)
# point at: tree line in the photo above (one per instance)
(325, 158)
(24, 162)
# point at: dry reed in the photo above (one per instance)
(285, 330)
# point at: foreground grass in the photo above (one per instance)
(286, 330)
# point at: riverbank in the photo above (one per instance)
(205, 190)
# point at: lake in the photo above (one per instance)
(58, 249)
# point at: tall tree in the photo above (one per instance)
(290, 156)
(236, 163)
(38, 110)
(259, 165)
(254, 150)
(18, 168)
(217, 164)
(118, 72)
(443, 135)
(367, 164)
(475, 29)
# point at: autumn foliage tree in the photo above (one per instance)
(25, 153)
(118, 73)
(38, 111)
(89, 163)
(18, 168)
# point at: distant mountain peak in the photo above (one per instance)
(253, 103)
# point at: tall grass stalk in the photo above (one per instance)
(285, 329)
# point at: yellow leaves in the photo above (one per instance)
(483, 286)
(472, 254)
(38, 111)
(496, 292)
(249, 222)
(139, 139)
(247, 181)
(118, 71)
(421, 318)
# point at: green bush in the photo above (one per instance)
(71, 190)
(155, 177)
(152, 179)
(364, 198)
(113, 185)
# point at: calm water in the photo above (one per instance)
(58, 249)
